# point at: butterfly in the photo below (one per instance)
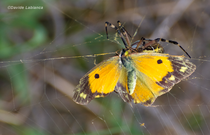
(140, 73)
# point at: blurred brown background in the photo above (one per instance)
(40, 65)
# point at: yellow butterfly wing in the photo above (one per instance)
(121, 87)
(142, 93)
(157, 74)
(98, 82)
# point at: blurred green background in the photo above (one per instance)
(40, 65)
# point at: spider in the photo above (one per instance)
(142, 45)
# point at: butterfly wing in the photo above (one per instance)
(142, 92)
(156, 74)
(121, 87)
(98, 82)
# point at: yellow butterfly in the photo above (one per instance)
(141, 72)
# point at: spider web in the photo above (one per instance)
(44, 53)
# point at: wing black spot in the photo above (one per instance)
(96, 76)
(159, 61)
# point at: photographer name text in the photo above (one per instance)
(25, 7)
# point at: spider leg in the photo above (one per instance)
(149, 43)
(125, 33)
(123, 29)
(118, 31)
(157, 40)
(142, 40)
